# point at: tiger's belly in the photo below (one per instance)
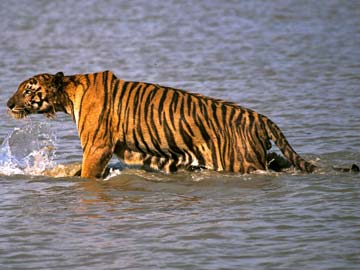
(230, 151)
(161, 163)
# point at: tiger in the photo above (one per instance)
(152, 126)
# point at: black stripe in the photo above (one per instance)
(189, 103)
(182, 107)
(194, 108)
(231, 154)
(161, 104)
(174, 101)
(188, 126)
(205, 135)
(151, 126)
(214, 116)
(115, 89)
(136, 142)
(231, 116)
(123, 90)
(82, 99)
(215, 126)
(86, 143)
(254, 139)
(172, 166)
(141, 137)
(104, 107)
(185, 137)
(154, 126)
(173, 148)
(131, 86)
(136, 105)
(122, 94)
(203, 109)
(199, 157)
(162, 99)
(224, 110)
(147, 102)
(240, 119)
(172, 108)
(83, 125)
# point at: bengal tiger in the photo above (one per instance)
(156, 127)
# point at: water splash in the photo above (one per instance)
(28, 150)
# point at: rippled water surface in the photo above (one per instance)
(295, 61)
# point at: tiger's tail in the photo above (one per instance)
(276, 135)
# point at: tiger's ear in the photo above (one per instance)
(58, 80)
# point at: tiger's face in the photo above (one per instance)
(35, 95)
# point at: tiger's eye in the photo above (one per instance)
(27, 92)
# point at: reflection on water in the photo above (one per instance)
(295, 61)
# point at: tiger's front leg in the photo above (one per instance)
(95, 159)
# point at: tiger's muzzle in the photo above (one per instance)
(15, 110)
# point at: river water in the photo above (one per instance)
(297, 62)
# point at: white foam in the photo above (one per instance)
(28, 150)
(112, 173)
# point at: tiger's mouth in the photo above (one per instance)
(21, 113)
(18, 113)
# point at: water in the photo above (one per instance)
(295, 61)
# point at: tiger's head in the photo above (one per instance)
(36, 95)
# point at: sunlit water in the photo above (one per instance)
(295, 61)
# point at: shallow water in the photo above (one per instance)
(295, 61)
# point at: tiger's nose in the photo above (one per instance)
(11, 103)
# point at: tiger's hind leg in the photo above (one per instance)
(276, 162)
(78, 173)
